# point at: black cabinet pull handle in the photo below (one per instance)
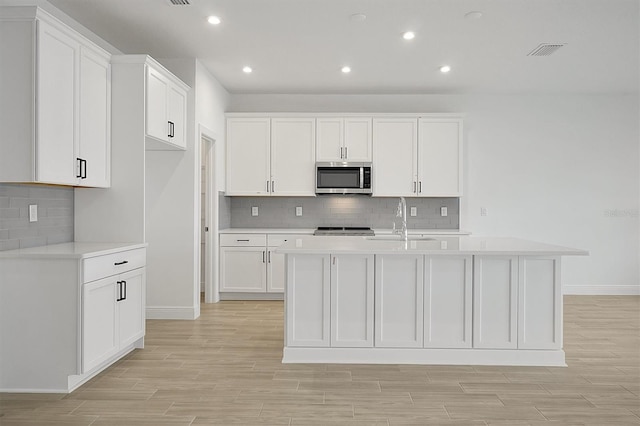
(125, 290)
(268, 257)
(79, 172)
(263, 257)
(171, 129)
(242, 240)
(119, 298)
(121, 263)
(83, 170)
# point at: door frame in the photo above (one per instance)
(208, 144)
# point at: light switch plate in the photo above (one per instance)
(33, 212)
(443, 211)
(254, 211)
(414, 211)
(483, 211)
(299, 211)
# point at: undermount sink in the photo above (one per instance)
(399, 238)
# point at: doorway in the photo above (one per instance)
(208, 213)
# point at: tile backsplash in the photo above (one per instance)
(55, 215)
(331, 210)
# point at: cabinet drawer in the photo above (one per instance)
(98, 267)
(276, 240)
(243, 240)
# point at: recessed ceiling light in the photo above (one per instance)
(247, 70)
(445, 69)
(409, 35)
(473, 15)
(357, 17)
(213, 20)
(346, 69)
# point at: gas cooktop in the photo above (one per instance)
(343, 230)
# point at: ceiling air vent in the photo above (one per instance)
(179, 2)
(545, 49)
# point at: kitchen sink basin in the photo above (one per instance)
(399, 238)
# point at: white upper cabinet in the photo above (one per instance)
(344, 139)
(439, 157)
(166, 110)
(271, 156)
(54, 102)
(293, 157)
(95, 118)
(395, 149)
(417, 157)
(248, 141)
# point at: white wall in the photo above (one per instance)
(561, 169)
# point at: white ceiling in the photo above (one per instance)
(299, 46)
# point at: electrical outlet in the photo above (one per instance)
(414, 211)
(443, 211)
(483, 211)
(299, 211)
(254, 211)
(33, 212)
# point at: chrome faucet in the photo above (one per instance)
(402, 212)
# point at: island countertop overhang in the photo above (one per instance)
(449, 245)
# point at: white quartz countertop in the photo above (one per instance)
(310, 231)
(456, 245)
(71, 250)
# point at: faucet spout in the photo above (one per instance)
(402, 211)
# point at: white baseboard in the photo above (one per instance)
(602, 290)
(172, 312)
(519, 357)
(251, 296)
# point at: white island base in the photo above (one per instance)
(454, 300)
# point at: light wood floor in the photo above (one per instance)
(224, 368)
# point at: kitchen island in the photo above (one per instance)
(441, 300)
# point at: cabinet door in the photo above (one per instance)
(352, 301)
(307, 300)
(248, 142)
(394, 157)
(131, 309)
(495, 301)
(94, 117)
(177, 115)
(539, 303)
(243, 269)
(275, 271)
(329, 142)
(447, 302)
(57, 90)
(99, 322)
(157, 88)
(293, 157)
(440, 157)
(357, 139)
(399, 283)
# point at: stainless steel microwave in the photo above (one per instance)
(343, 178)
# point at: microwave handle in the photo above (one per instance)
(361, 176)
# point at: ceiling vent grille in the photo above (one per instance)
(179, 2)
(545, 49)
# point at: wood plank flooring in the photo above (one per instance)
(224, 368)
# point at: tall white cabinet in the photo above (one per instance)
(55, 90)
(282, 160)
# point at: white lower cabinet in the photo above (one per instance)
(307, 300)
(113, 308)
(399, 301)
(447, 301)
(249, 263)
(86, 302)
(352, 287)
(539, 303)
(495, 301)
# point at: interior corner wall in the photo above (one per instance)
(561, 169)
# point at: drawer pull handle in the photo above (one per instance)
(121, 263)
(242, 240)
